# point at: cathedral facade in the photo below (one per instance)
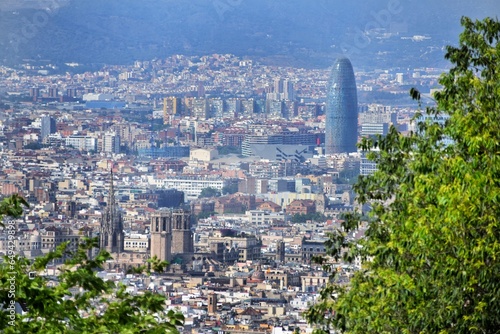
(171, 234)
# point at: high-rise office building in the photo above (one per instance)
(216, 107)
(278, 85)
(201, 90)
(71, 92)
(48, 126)
(171, 107)
(53, 92)
(341, 129)
(35, 93)
(288, 90)
(200, 109)
(111, 143)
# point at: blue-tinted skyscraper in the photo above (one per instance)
(48, 126)
(341, 128)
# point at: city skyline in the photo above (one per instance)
(212, 158)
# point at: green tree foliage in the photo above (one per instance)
(77, 301)
(156, 265)
(206, 214)
(303, 217)
(225, 150)
(230, 189)
(33, 146)
(431, 255)
(12, 206)
(209, 192)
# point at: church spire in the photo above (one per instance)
(111, 235)
(111, 194)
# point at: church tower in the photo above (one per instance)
(182, 236)
(111, 236)
(161, 235)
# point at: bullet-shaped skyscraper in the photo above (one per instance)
(341, 128)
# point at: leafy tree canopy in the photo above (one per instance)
(431, 255)
(225, 150)
(77, 300)
(209, 192)
(12, 206)
(205, 214)
(303, 218)
(230, 189)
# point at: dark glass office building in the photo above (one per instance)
(341, 128)
(48, 126)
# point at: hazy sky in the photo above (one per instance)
(303, 30)
(37, 4)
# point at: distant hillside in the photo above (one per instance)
(295, 32)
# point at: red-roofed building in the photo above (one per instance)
(301, 206)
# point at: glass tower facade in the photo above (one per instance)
(341, 128)
(48, 126)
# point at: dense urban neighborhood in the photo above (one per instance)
(216, 164)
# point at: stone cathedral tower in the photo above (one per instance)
(182, 237)
(111, 236)
(161, 235)
(171, 234)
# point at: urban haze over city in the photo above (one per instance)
(220, 136)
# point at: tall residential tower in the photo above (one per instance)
(341, 128)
